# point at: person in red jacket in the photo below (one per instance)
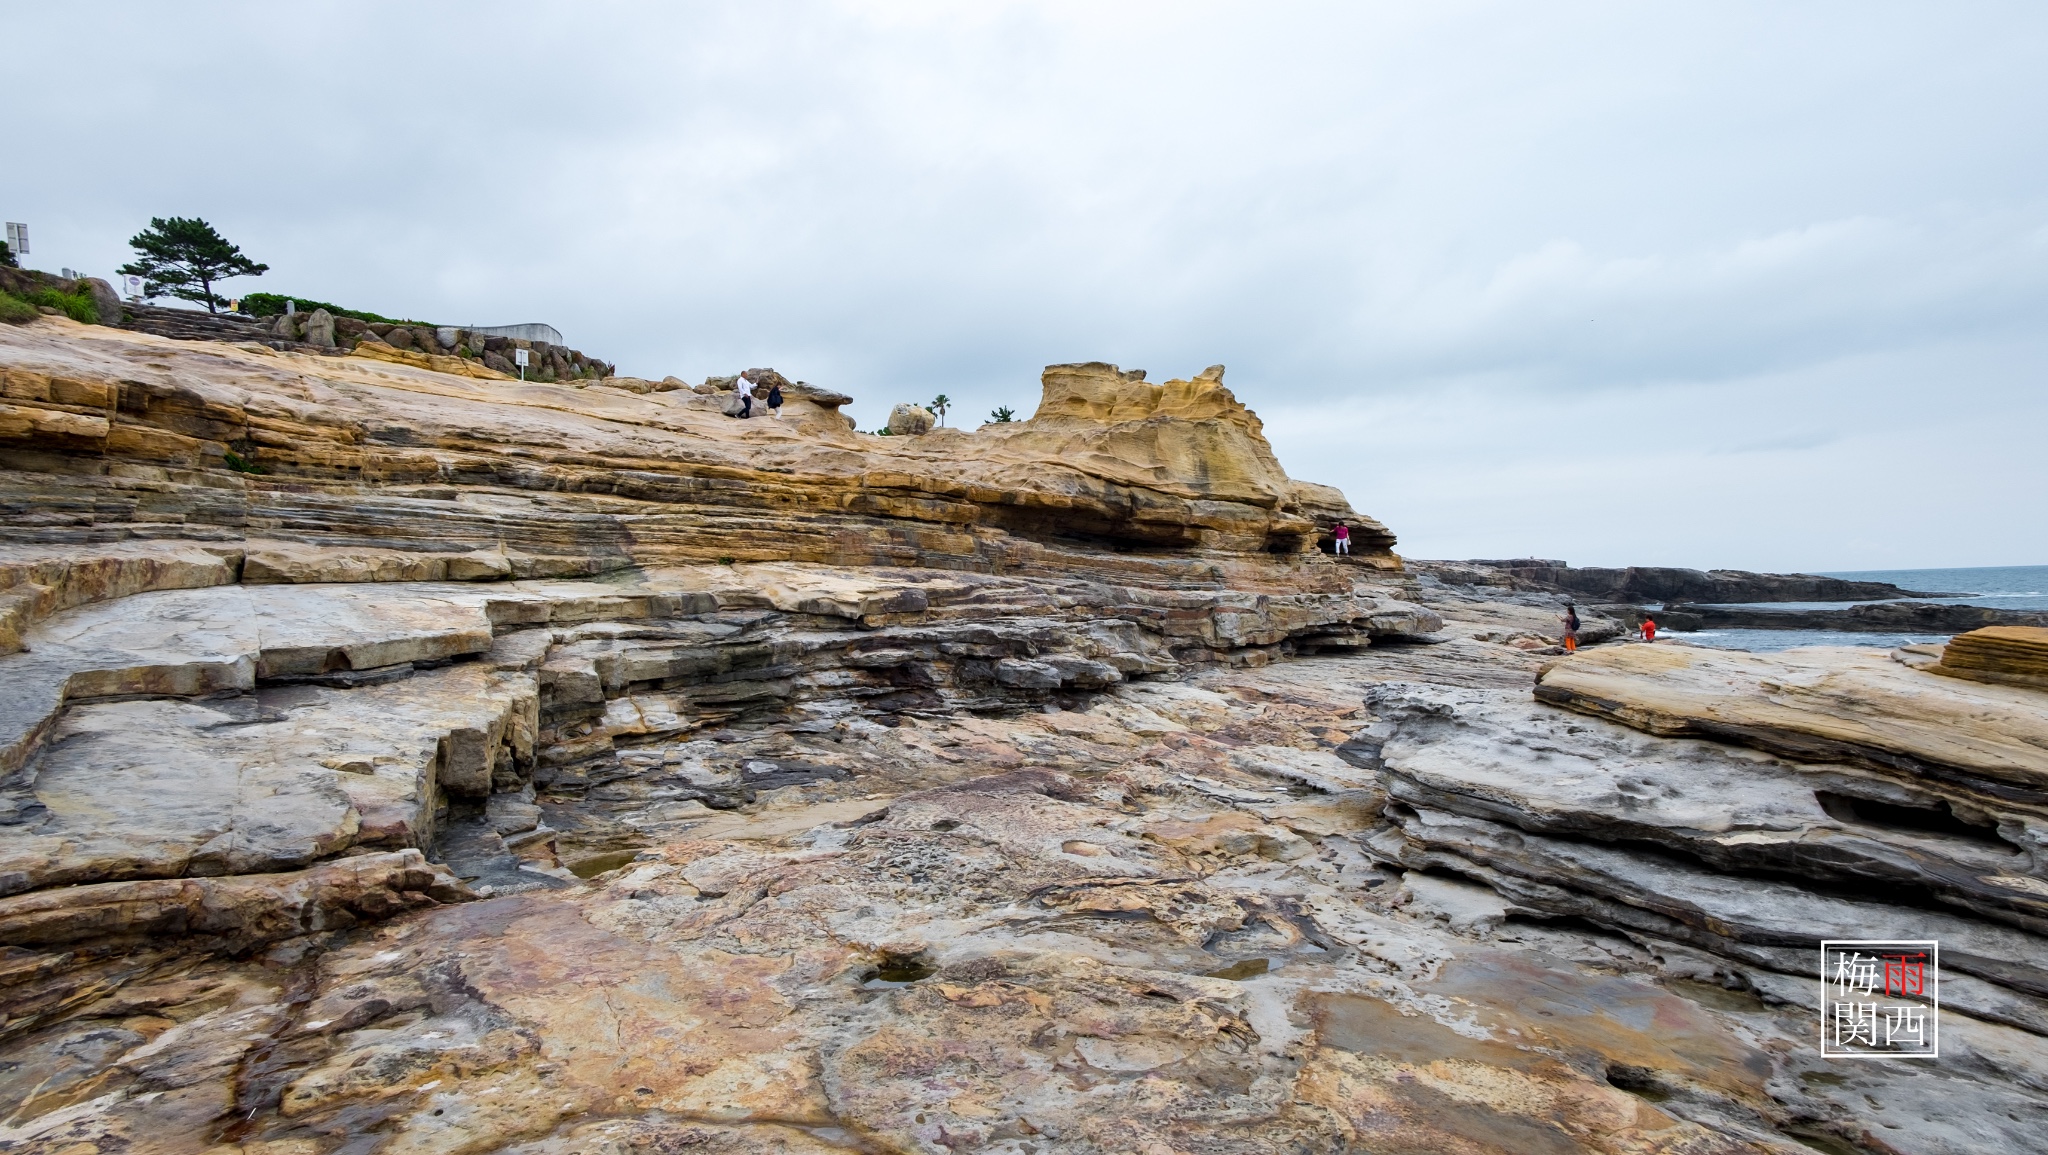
(1649, 628)
(1341, 536)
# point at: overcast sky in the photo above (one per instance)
(1719, 284)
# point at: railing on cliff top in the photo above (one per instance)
(532, 332)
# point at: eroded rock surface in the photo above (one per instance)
(525, 769)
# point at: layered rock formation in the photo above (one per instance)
(2010, 655)
(127, 438)
(486, 767)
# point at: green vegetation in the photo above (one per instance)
(18, 306)
(939, 406)
(77, 306)
(182, 257)
(15, 311)
(1002, 414)
(241, 464)
(271, 304)
(7, 257)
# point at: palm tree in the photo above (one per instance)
(939, 404)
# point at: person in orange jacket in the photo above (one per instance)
(1571, 628)
(1649, 628)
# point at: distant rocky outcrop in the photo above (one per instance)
(1901, 617)
(1668, 584)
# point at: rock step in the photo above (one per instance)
(1499, 757)
(1821, 705)
(241, 912)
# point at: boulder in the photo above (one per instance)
(911, 420)
(670, 384)
(320, 329)
(399, 337)
(764, 378)
(287, 326)
(446, 336)
(104, 299)
(823, 398)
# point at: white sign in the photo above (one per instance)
(131, 286)
(17, 238)
(1880, 999)
(519, 358)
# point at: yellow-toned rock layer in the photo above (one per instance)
(108, 435)
(2012, 655)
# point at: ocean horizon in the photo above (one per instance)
(2011, 587)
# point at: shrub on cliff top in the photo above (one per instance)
(271, 304)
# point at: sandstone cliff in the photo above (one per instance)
(119, 436)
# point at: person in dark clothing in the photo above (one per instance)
(775, 401)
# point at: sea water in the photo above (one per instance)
(1765, 641)
(2006, 587)
(2012, 587)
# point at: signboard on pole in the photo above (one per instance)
(131, 286)
(519, 358)
(17, 238)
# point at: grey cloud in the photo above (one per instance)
(1362, 209)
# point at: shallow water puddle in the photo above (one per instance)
(1241, 969)
(1602, 1021)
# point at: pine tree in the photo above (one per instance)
(182, 257)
